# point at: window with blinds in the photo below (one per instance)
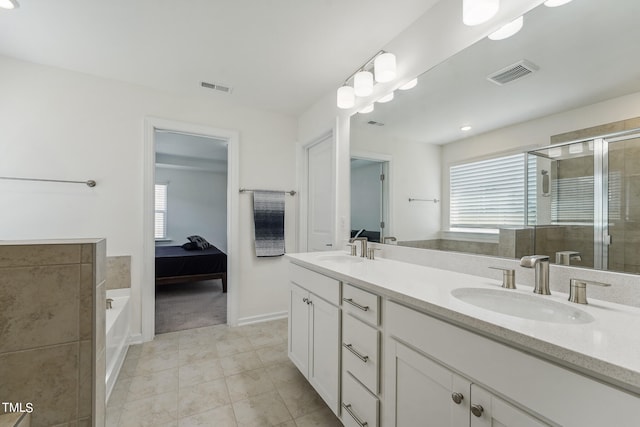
(488, 194)
(161, 211)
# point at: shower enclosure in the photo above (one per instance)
(583, 198)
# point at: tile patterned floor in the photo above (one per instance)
(216, 376)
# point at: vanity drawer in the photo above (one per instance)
(362, 304)
(323, 286)
(361, 351)
(359, 407)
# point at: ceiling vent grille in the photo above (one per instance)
(513, 72)
(215, 86)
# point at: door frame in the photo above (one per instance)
(386, 160)
(303, 179)
(147, 291)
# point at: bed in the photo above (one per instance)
(177, 265)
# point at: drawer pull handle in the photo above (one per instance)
(347, 407)
(356, 352)
(355, 304)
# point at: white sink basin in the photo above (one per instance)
(341, 259)
(534, 307)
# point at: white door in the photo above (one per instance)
(299, 328)
(490, 411)
(321, 195)
(324, 366)
(426, 393)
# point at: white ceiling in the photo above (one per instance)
(279, 55)
(587, 52)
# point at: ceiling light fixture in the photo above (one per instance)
(409, 85)
(555, 3)
(508, 30)
(382, 64)
(9, 4)
(367, 109)
(388, 97)
(465, 128)
(476, 12)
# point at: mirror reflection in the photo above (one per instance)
(463, 157)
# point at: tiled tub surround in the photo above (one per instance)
(603, 349)
(52, 329)
(118, 272)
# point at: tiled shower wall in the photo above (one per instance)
(52, 330)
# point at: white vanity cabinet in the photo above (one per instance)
(314, 331)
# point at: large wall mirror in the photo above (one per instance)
(461, 162)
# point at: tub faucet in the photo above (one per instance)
(109, 301)
(541, 264)
(363, 245)
(565, 257)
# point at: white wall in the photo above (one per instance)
(414, 173)
(366, 202)
(61, 124)
(528, 135)
(196, 204)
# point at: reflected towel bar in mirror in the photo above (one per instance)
(423, 200)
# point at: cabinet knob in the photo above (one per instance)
(457, 397)
(477, 410)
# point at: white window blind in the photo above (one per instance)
(488, 194)
(161, 211)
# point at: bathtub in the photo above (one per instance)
(117, 340)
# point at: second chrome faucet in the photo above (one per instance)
(541, 265)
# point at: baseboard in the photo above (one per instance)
(262, 318)
(135, 339)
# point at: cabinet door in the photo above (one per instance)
(324, 365)
(299, 328)
(421, 392)
(495, 412)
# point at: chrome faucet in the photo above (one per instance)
(363, 245)
(389, 238)
(541, 264)
(565, 257)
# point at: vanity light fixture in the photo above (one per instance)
(363, 83)
(476, 12)
(367, 109)
(409, 85)
(508, 30)
(346, 97)
(382, 64)
(386, 98)
(385, 67)
(465, 128)
(9, 4)
(555, 3)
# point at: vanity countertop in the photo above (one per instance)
(607, 348)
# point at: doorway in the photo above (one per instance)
(190, 230)
(369, 198)
(148, 286)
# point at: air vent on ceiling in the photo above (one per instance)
(215, 86)
(374, 123)
(513, 72)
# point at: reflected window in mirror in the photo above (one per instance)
(488, 195)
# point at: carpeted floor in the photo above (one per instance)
(190, 305)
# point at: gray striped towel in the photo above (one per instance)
(268, 217)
